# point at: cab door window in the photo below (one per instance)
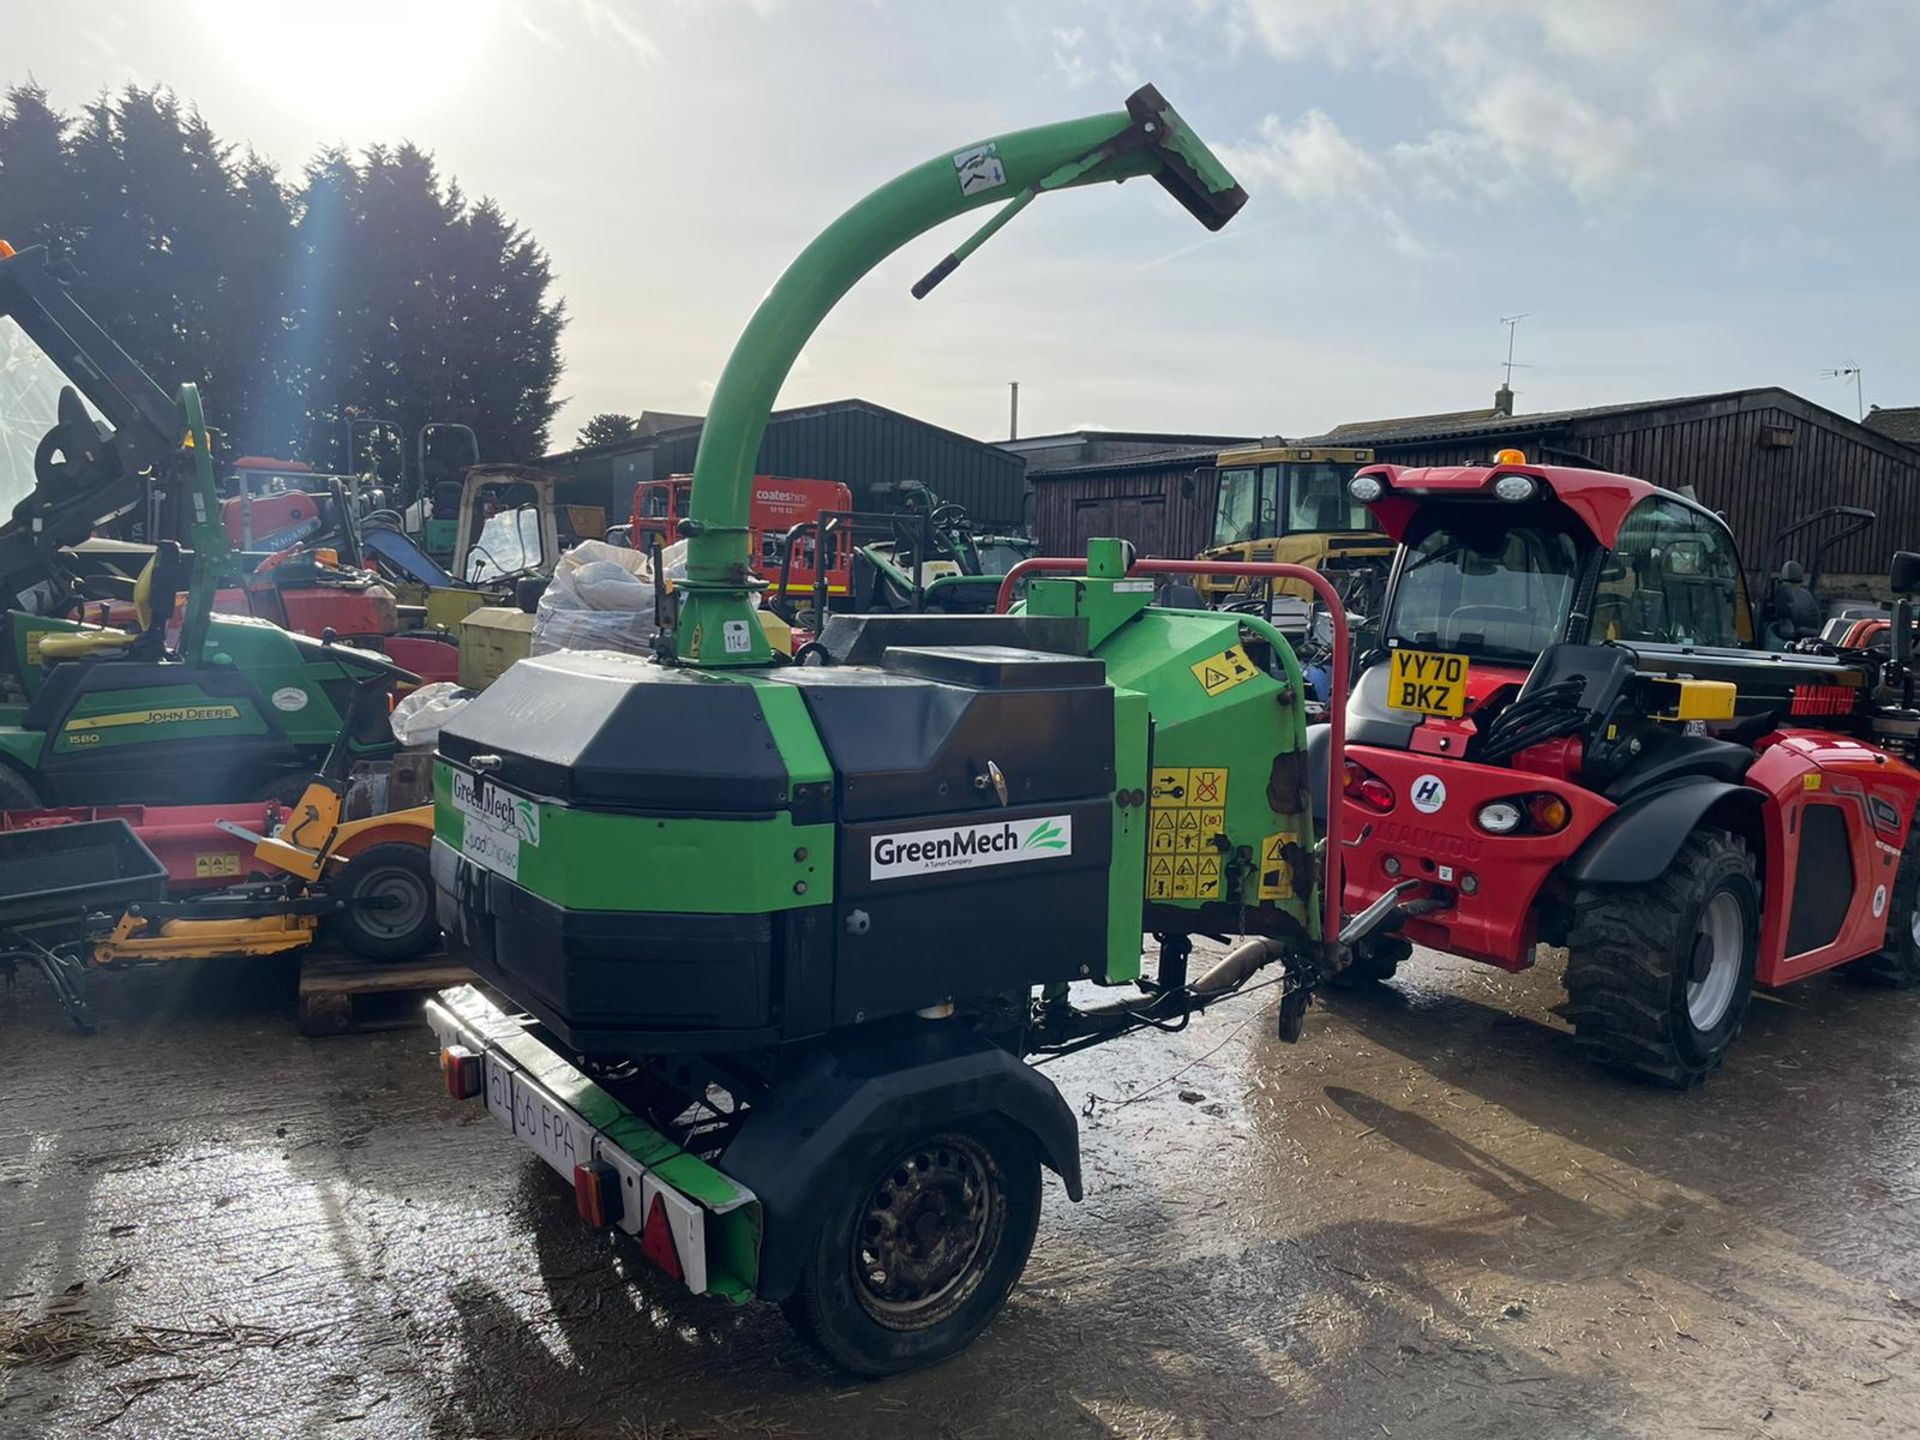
(1672, 578)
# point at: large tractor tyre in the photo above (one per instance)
(1659, 976)
(16, 791)
(406, 924)
(1897, 963)
(920, 1254)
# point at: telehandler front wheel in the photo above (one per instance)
(920, 1253)
(1659, 976)
(1896, 964)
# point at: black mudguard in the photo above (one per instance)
(827, 1123)
(1638, 841)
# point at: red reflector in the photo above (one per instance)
(656, 1240)
(461, 1069)
(596, 1193)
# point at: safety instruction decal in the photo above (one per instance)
(1276, 876)
(1188, 809)
(217, 863)
(980, 169)
(1218, 674)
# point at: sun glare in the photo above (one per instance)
(363, 65)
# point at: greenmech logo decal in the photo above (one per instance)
(486, 802)
(967, 847)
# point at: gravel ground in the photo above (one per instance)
(1428, 1218)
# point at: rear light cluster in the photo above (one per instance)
(1367, 788)
(1539, 814)
(461, 1068)
(596, 1194)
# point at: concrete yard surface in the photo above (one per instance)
(1428, 1218)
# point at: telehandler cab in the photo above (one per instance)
(783, 933)
(1568, 733)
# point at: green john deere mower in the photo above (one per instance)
(159, 707)
(782, 934)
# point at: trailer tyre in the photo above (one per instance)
(922, 1251)
(16, 792)
(1897, 963)
(406, 925)
(1659, 976)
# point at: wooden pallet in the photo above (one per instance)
(341, 994)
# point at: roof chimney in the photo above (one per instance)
(1503, 399)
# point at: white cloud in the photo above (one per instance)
(1069, 56)
(1312, 163)
(1747, 99)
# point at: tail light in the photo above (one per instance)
(1367, 788)
(1549, 813)
(1541, 814)
(461, 1069)
(596, 1193)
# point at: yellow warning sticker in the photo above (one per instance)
(1276, 876)
(1160, 878)
(1220, 673)
(1207, 787)
(1809, 782)
(1169, 787)
(1185, 869)
(1207, 877)
(223, 863)
(1189, 811)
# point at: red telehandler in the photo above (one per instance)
(1569, 733)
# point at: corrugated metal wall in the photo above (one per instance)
(1763, 488)
(860, 447)
(1167, 512)
(1714, 446)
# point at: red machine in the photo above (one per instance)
(779, 503)
(1569, 734)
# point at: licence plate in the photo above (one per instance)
(548, 1128)
(1428, 683)
(500, 1092)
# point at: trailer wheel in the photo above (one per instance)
(403, 927)
(1659, 976)
(16, 791)
(1897, 963)
(923, 1250)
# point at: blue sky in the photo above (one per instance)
(1685, 197)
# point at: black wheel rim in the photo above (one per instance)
(928, 1232)
(400, 902)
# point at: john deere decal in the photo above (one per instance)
(172, 715)
(967, 847)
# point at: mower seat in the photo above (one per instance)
(84, 644)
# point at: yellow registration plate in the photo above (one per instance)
(1428, 683)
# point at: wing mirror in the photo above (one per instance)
(1904, 577)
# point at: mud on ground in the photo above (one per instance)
(1428, 1218)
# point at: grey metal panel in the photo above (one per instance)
(864, 447)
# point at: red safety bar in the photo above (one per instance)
(1331, 881)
